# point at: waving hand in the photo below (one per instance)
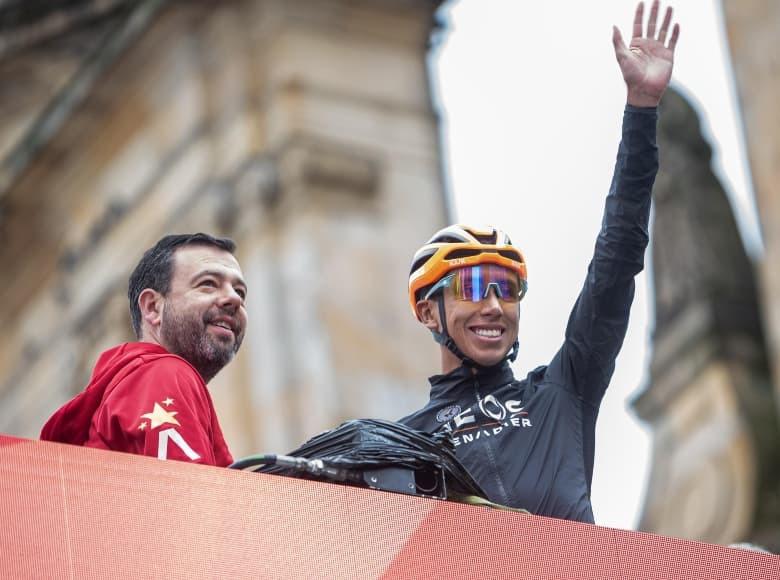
(647, 62)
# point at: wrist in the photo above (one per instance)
(642, 100)
(645, 110)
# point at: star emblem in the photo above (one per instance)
(142, 426)
(160, 416)
(168, 402)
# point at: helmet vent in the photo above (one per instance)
(511, 254)
(455, 254)
(491, 239)
(447, 240)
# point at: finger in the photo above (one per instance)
(638, 17)
(652, 19)
(665, 25)
(675, 36)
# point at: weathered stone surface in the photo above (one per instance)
(753, 29)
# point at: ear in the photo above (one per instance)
(428, 313)
(151, 304)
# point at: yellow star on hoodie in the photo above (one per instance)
(160, 416)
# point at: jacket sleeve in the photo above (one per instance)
(598, 322)
(159, 411)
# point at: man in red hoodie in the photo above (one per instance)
(187, 305)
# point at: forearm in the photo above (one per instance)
(624, 231)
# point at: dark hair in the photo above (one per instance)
(156, 268)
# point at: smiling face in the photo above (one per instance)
(484, 331)
(203, 316)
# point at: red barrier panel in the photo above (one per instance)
(71, 512)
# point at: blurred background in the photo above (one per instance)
(330, 138)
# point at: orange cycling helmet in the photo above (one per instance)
(457, 246)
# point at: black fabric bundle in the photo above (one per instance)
(366, 444)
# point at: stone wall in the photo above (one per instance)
(753, 29)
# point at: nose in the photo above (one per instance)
(490, 304)
(229, 299)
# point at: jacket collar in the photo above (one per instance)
(463, 378)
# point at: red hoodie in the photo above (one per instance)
(144, 400)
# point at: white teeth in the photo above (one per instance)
(488, 332)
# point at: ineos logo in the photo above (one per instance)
(491, 408)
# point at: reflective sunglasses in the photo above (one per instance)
(474, 282)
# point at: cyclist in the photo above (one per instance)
(530, 443)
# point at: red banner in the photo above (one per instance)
(71, 512)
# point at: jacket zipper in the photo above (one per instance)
(490, 453)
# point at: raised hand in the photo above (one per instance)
(647, 62)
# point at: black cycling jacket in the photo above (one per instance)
(530, 443)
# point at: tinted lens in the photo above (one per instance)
(473, 283)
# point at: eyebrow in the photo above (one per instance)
(237, 280)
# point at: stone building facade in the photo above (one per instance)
(304, 130)
(752, 28)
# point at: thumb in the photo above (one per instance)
(617, 41)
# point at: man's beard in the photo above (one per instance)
(186, 336)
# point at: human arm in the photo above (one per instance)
(161, 410)
(599, 319)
